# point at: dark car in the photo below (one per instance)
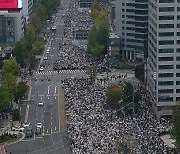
(38, 131)
(29, 132)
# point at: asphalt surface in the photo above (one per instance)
(45, 87)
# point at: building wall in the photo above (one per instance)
(27, 8)
(131, 23)
(163, 65)
(11, 27)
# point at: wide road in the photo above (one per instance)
(45, 88)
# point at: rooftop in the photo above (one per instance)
(10, 4)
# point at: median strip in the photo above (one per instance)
(61, 111)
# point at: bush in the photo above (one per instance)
(16, 115)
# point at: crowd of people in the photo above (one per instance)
(93, 127)
(71, 56)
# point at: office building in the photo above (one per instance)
(11, 22)
(163, 63)
(27, 8)
(131, 24)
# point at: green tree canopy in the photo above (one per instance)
(114, 94)
(175, 132)
(21, 90)
(10, 82)
(128, 93)
(11, 66)
(30, 36)
(99, 33)
(91, 70)
(20, 51)
(5, 97)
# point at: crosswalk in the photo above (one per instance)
(59, 72)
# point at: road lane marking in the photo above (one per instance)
(59, 109)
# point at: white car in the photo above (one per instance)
(39, 125)
(41, 69)
(45, 58)
(27, 124)
(15, 128)
(40, 103)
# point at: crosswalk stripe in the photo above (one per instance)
(60, 72)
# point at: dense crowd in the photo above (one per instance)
(93, 127)
(71, 56)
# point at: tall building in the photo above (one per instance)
(27, 8)
(163, 63)
(11, 22)
(131, 24)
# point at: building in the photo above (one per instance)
(27, 7)
(114, 45)
(11, 22)
(131, 23)
(163, 63)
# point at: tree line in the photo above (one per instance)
(29, 46)
(99, 33)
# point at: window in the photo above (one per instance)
(170, 50)
(177, 66)
(166, 9)
(178, 50)
(166, 58)
(166, 42)
(165, 83)
(162, 34)
(177, 82)
(166, 25)
(178, 58)
(163, 75)
(162, 91)
(166, 1)
(177, 74)
(165, 99)
(178, 42)
(177, 90)
(166, 66)
(166, 17)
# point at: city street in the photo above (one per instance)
(45, 88)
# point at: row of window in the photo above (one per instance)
(169, 17)
(163, 75)
(168, 34)
(168, 1)
(169, 50)
(166, 26)
(167, 83)
(169, 58)
(168, 42)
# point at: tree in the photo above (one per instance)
(95, 6)
(91, 70)
(37, 47)
(5, 97)
(20, 51)
(175, 132)
(16, 115)
(21, 90)
(11, 66)
(30, 36)
(9, 81)
(97, 50)
(114, 94)
(42, 11)
(128, 93)
(137, 98)
(36, 21)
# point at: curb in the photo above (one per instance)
(13, 142)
